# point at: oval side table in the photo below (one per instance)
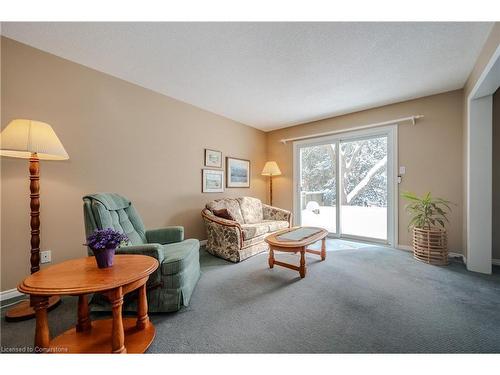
(79, 277)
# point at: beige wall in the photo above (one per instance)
(431, 151)
(105, 122)
(496, 175)
(120, 137)
(487, 52)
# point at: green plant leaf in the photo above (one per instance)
(426, 211)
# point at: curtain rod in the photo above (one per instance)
(413, 119)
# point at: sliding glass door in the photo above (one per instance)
(318, 186)
(364, 192)
(345, 184)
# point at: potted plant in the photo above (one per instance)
(103, 243)
(428, 218)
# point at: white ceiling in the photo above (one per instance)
(271, 75)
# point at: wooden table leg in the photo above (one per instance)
(142, 309)
(117, 333)
(83, 323)
(323, 249)
(302, 269)
(271, 257)
(42, 334)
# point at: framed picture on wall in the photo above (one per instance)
(212, 181)
(237, 173)
(213, 158)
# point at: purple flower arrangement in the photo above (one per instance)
(106, 239)
(103, 243)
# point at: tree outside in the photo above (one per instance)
(363, 168)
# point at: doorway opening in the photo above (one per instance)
(479, 212)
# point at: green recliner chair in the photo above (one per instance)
(172, 284)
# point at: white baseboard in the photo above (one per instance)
(13, 293)
(404, 247)
(450, 254)
(9, 294)
(457, 255)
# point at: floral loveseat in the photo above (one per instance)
(240, 233)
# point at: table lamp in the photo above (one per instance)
(271, 169)
(33, 140)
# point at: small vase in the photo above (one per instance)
(104, 257)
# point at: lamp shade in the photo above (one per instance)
(271, 169)
(21, 138)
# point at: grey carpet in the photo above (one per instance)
(360, 300)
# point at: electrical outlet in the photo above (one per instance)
(45, 256)
(402, 170)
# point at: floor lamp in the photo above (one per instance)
(271, 169)
(35, 141)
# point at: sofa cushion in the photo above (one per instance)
(258, 229)
(251, 209)
(223, 213)
(179, 255)
(275, 225)
(254, 230)
(231, 204)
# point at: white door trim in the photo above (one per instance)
(479, 168)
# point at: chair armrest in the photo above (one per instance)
(219, 230)
(208, 215)
(150, 249)
(165, 235)
(275, 213)
(154, 250)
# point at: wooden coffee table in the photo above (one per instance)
(276, 244)
(80, 277)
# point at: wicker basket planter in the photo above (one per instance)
(430, 246)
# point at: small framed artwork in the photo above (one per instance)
(237, 173)
(212, 181)
(213, 158)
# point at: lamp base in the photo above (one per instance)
(23, 310)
